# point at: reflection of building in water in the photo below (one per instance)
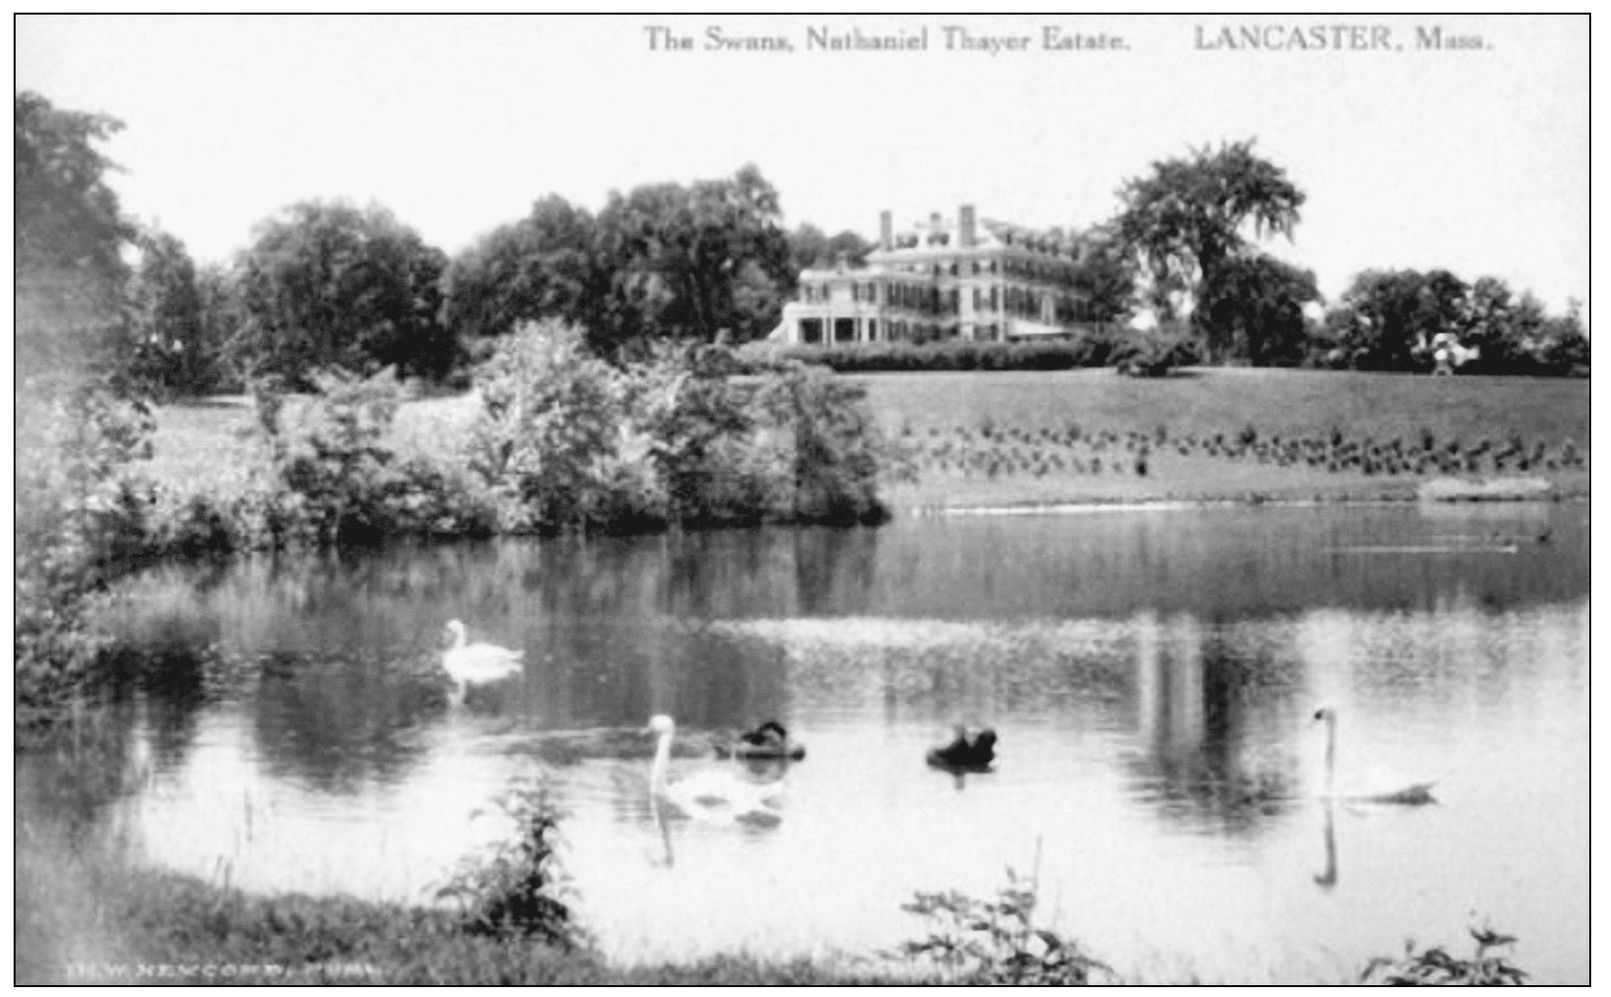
(963, 278)
(1198, 691)
(1169, 686)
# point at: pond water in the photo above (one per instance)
(1152, 675)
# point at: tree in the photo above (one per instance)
(329, 285)
(1105, 278)
(810, 247)
(1490, 320)
(1508, 331)
(166, 348)
(69, 239)
(1387, 318)
(1564, 345)
(1184, 221)
(77, 517)
(1254, 310)
(539, 267)
(687, 262)
(221, 320)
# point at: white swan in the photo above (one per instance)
(1410, 794)
(709, 795)
(474, 664)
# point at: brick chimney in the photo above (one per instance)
(967, 231)
(886, 230)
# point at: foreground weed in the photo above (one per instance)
(519, 890)
(995, 941)
(1435, 967)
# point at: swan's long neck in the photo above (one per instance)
(662, 759)
(1331, 752)
(460, 639)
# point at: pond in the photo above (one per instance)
(1153, 676)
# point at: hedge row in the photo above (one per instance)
(1061, 354)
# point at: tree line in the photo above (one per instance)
(326, 284)
(1186, 224)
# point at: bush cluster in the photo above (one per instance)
(1142, 352)
(569, 441)
(78, 521)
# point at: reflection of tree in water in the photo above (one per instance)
(722, 681)
(337, 722)
(170, 664)
(834, 569)
(1200, 690)
(944, 670)
(68, 780)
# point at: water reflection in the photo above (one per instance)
(337, 722)
(1328, 879)
(1200, 691)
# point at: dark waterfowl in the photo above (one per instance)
(769, 741)
(966, 754)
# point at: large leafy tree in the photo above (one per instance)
(332, 285)
(221, 320)
(1105, 277)
(1501, 327)
(810, 246)
(1253, 308)
(69, 239)
(1563, 343)
(72, 506)
(1387, 318)
(537, 268)
(1188, 218)
(165, 312)
(694, 262)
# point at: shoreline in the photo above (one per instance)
(1100, 504)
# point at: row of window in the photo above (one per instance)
(1011, 268)
(924, 297)
(1016, 301)
(812, 331)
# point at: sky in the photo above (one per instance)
(1474, 160)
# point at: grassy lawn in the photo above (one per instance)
(211, 442)
(1285, 402)
(1290, 405)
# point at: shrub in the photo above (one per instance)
(1090, 349)
(1154, 352)
(568, 441)
(820, 447)
(335, 472)
(1435, 967)
(553, 433)
(80, 522)
(334, 480)
(519, 888)
(995, 942)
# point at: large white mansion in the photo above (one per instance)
(950, 278)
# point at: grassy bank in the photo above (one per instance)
(1178, 418)
(99, 921)
(87, 915)
(943, 418)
